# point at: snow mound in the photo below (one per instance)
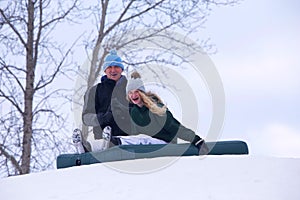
(211, 177)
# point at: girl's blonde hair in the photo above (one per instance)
(151, 101)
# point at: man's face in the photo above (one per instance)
(113, 72)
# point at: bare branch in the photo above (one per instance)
(120, 20)
(7, 20)
(57, 19)
(14, 76)
(11, 100)
(10, 158)
(42, 83)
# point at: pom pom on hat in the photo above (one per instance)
(112, 59)
(135, 83)
(135, 75)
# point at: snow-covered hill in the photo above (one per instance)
(212, 177)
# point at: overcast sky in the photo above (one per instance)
(258, 60)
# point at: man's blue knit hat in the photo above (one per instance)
(112, 59)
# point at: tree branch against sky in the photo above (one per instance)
(31, 61)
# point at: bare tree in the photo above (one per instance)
(118, 23)
(31, 99)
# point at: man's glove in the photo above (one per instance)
(105, 119)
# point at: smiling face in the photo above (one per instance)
(135, 97)
(114, 72)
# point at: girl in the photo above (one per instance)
(151, 117)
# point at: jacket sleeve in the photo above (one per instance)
(101, 106)
(174, 126)
(89, 116)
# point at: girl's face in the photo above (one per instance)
(135, 97)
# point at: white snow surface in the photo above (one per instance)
(228, 177)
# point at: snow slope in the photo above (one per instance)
(211, 177)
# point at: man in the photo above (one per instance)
(107, 110)
(105, 104)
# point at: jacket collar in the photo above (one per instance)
(120, 81)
